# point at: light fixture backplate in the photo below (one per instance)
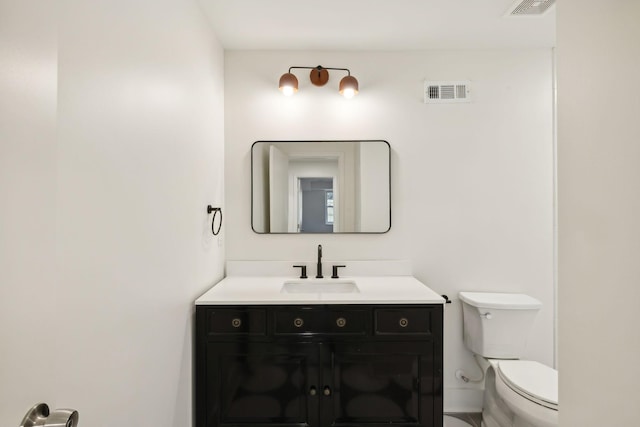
(319, 76)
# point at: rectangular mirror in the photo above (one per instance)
(321, 186)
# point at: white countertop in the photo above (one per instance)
(252, 290)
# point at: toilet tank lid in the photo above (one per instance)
(500, 300)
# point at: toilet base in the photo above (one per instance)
(494, 411)
(488, 421)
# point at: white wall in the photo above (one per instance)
(122, 195)
(599, 207)
(27, 206)
(472, 184)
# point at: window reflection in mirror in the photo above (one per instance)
(321, 186)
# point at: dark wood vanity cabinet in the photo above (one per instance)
(319, 365)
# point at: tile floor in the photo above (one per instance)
(473, 418)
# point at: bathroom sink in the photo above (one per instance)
(311, 286)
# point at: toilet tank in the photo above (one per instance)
(497, 325)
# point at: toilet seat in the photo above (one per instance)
(532, 380)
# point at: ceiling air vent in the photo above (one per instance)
(447, 92)
(530, 7)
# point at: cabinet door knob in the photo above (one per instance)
(404, 322)
(236, 322)
(341, 322)
(312, 391)
(298, 322)
(327, 391)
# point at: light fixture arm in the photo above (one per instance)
(320, 67)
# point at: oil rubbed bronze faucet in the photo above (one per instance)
(319, 272)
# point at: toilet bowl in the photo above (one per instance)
(530, 390)
(518, 393)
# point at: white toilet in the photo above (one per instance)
(518, 393)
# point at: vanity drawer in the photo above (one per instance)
(238, 321)
(320, 321)
(403, 321)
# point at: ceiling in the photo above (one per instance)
(375, 24)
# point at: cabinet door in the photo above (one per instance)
(380, 383)
(252, 384)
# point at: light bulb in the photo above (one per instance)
(288, 90)
(349, 93)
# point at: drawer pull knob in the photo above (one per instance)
(341, 322)
(236, 322)
(298, 322)
(312, 391)
(327, 391)
(404, 322)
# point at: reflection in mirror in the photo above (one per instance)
(320, 187)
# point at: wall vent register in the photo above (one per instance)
(447, 92)
(530, 7)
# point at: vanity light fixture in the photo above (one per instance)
(319, 76)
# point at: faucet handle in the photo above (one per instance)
(335, 271)
(303, 271)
